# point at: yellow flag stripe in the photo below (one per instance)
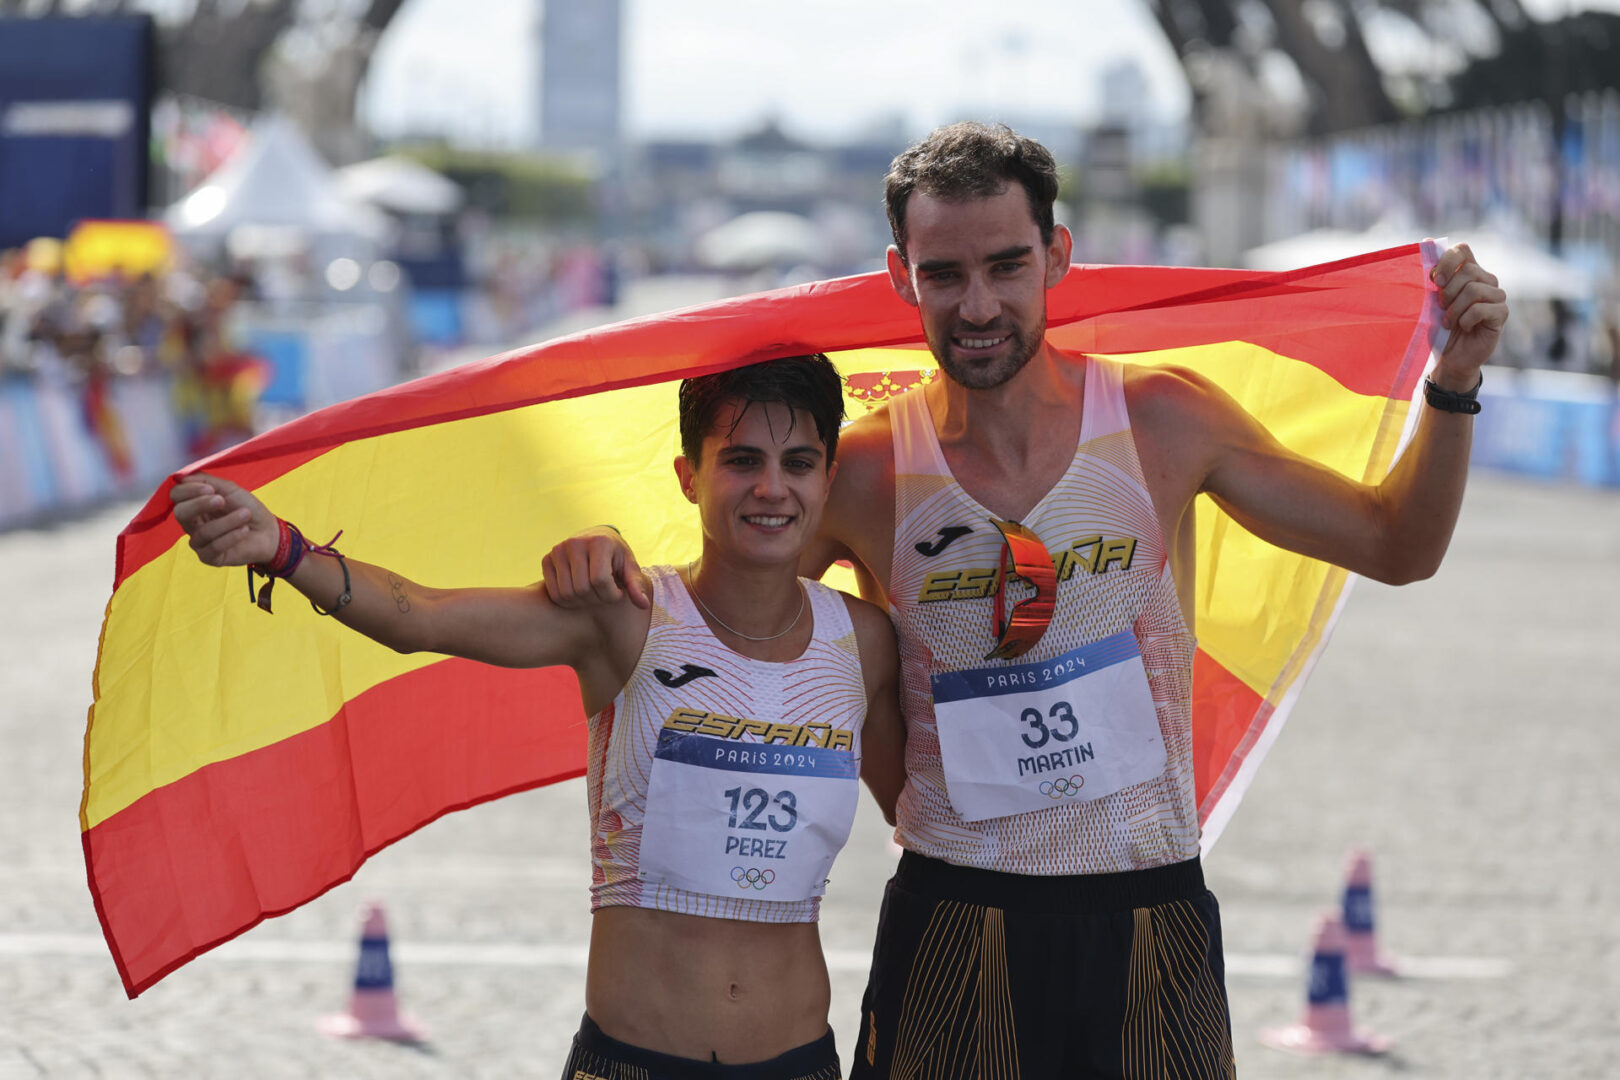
(1260, 609)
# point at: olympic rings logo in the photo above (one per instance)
(752, 877)
(1063, 787)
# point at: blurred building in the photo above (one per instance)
(676, 190)
(1130, 190)
(581, 83)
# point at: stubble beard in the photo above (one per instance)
(992, 372)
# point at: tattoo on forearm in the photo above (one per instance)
(401, 600)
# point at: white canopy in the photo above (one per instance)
(759, 239)
(1526, 271)
(274, 182)
(401, 185)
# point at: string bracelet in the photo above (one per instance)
(347, 594)
(291, 547)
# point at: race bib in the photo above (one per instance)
(732, 818)
(1024, 737)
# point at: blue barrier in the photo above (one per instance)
(436, 317)
(26, 484)
(319, 355)
(52, 460)
(287, 352)
(1552, 424)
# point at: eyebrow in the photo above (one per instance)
(806, 448)
(933, 266)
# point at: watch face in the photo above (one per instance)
(1022, 556)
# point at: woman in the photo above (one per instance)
(728, 724)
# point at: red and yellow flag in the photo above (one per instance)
(238, 765)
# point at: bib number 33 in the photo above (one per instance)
(1062, 732)
(1028, 736)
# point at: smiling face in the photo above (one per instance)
(977, 272)
(760, 482)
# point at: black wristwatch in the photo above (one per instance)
(1451, 400)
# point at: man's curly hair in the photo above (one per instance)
(972, 160)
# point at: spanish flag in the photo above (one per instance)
(237, 765)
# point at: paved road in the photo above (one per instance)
(1462, 728)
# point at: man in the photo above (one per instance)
(728, 725)
(1049, 916)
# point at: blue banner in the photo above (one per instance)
(735, 756)
(1019, 678)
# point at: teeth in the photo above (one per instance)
(768, 522)
(980, 343)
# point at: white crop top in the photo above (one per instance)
(750, 767)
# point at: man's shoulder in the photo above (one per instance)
(1164, 385)
(856, 517)
(1169, 397)
(865, 452)
(867, 434)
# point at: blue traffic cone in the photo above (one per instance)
(1361, 950)
(373, 1008)
(1326, 1027)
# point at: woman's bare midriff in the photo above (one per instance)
(708, 989)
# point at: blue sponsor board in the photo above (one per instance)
(287, 352)
(75, 101)
(731, 755)
(1019, 678)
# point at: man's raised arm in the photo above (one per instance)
(1398, 530)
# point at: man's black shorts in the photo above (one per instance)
(1007, 976)
(595, 1056)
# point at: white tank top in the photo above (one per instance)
(688, 686)
(1114, 577)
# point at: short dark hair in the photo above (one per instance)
(808, 382)
(972, 160)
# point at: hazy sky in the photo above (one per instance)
(826, 68)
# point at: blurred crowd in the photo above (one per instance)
(80, 336)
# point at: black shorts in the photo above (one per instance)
(594, 1056)
(1002, 976)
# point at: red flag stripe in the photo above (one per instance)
(1231, 714)
(244, 817)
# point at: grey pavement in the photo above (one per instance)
(1463, 729)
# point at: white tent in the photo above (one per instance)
(274, 184)
(401, 185)
(759, 239)
(1526, 271)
